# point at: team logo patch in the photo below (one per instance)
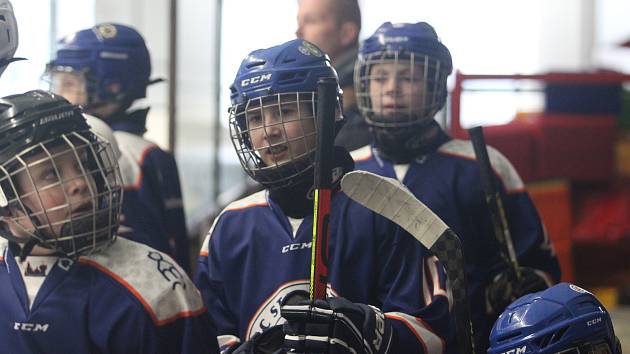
(35, 271)
(268, 314)
(307, 48)
(106, 31)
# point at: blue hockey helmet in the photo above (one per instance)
(562, 319)
(402, 53)
(279, 82)
(105, 55)
(400, 84)
(9, 39)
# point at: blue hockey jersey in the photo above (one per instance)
(152, 205)
(126, 299)
(255, 255)
(447, 180)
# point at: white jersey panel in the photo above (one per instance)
(500, 164)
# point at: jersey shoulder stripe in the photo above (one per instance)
(501, 166)
(257, 199)
(361, 154)
(155, 279)
(134, 150)
(431, 342)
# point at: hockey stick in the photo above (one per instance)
(326, 103)
(391, 199)
(495, 203)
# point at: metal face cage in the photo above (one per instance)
(275, 136)
(65, 193)
(397, 90)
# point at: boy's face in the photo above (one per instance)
(56, 187)
(73, 87)
(282, 132)
(397, 87)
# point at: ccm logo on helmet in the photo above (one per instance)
(516, 350)
(594, 321)
(255, 79)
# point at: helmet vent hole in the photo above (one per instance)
(294, 77)
(256, 63)
(509, 337)
(551, 338)
(74, 54)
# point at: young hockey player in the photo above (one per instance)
(401, 84)
(562, 319)
(69, 285)
(106, 69)
(386, 295)
(9, 39)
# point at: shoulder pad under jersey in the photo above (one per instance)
(500, 164)
(154, 278)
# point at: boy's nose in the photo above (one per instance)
(77, 185)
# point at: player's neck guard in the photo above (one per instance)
(403, 145)
(296, 201)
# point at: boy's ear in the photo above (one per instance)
(349, 32)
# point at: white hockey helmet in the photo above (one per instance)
(8, 43)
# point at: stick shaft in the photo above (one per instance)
(324, 160)
(494, 201)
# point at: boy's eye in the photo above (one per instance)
(254, 119)
(49, 175)
(288, 110)
(379, 78)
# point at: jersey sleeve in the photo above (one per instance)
(209, 281)
(161, 173)
(124, 328)
(414, 297)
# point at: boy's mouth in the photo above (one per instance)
(276, 153)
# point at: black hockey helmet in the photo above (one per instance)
(46, 148)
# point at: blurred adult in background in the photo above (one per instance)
(334, 26)
(106, 70)
(8, 42)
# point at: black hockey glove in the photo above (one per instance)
(268, 342)
(335, 325)
(502, 291)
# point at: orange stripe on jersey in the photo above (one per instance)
(203, 253)
(136, 183)
(247, 206)
(416, 328)
(144, 303)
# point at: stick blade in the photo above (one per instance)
(390, 198)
